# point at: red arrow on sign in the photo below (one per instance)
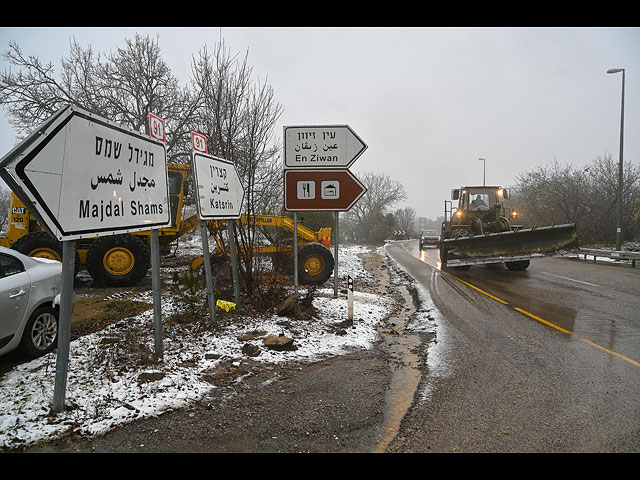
(321, 190)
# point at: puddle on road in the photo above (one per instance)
(405, 366)
(410, 341)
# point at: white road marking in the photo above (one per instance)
(571, 279)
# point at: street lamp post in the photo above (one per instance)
(483, 170)
(619, 226)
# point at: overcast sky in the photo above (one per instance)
(428, 102)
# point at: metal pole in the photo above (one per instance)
(619, 209)
(335, 260)
(234, 261)
(350, 297)
(64, 324)
(484, 164)
(207, 270)
(295, 251)
(619, 229)
(155, 285)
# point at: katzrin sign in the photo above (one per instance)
(220, 191)
(82, 175)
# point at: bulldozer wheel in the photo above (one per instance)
(315, 264)
(43, 245)
(118, 260)
(443, 255)
(519, 265)
(39, 244)
(442, 250)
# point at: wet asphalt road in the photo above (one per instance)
(545, 360)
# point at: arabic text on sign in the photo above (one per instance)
(316, 146)
(115, 207)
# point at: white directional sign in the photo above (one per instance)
(220, 191)
(329, 146)
(82, 176)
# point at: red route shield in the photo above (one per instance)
(321, 190)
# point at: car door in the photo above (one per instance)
(15, 288)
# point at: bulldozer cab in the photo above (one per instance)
(177, 176)
(479, 198)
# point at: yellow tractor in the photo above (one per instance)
(124, 260)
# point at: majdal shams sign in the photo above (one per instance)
(87, 176)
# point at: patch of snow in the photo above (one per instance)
(100, 394)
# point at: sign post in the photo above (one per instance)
(316, 175)
(350, 297)
(219, 195)
(231, 231)
(204, 236)
(64, 324)
(157, 294)
(156, 129)
(84, 176)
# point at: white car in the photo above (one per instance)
(28, 290)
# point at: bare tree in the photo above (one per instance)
(554, 194)
(122, 86)
(5, 202)
(370, 219)
(236, 113)
(405, 220)
(587, 197)
(238, 116)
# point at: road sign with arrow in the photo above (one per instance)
(219, 189)
(321, 190)
(328, 146)
(84, 176)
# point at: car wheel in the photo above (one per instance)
(41, 333)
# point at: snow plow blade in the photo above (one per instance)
(513, 245)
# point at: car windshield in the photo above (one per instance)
(430, 233)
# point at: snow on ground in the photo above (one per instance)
(101, 394)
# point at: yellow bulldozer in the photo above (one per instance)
(124, 260)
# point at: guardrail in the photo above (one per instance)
(614, 254)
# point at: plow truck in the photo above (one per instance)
(481, 231)
(124, 259)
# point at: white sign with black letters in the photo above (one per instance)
(219, 189)
(83, 176)
(321, 146)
